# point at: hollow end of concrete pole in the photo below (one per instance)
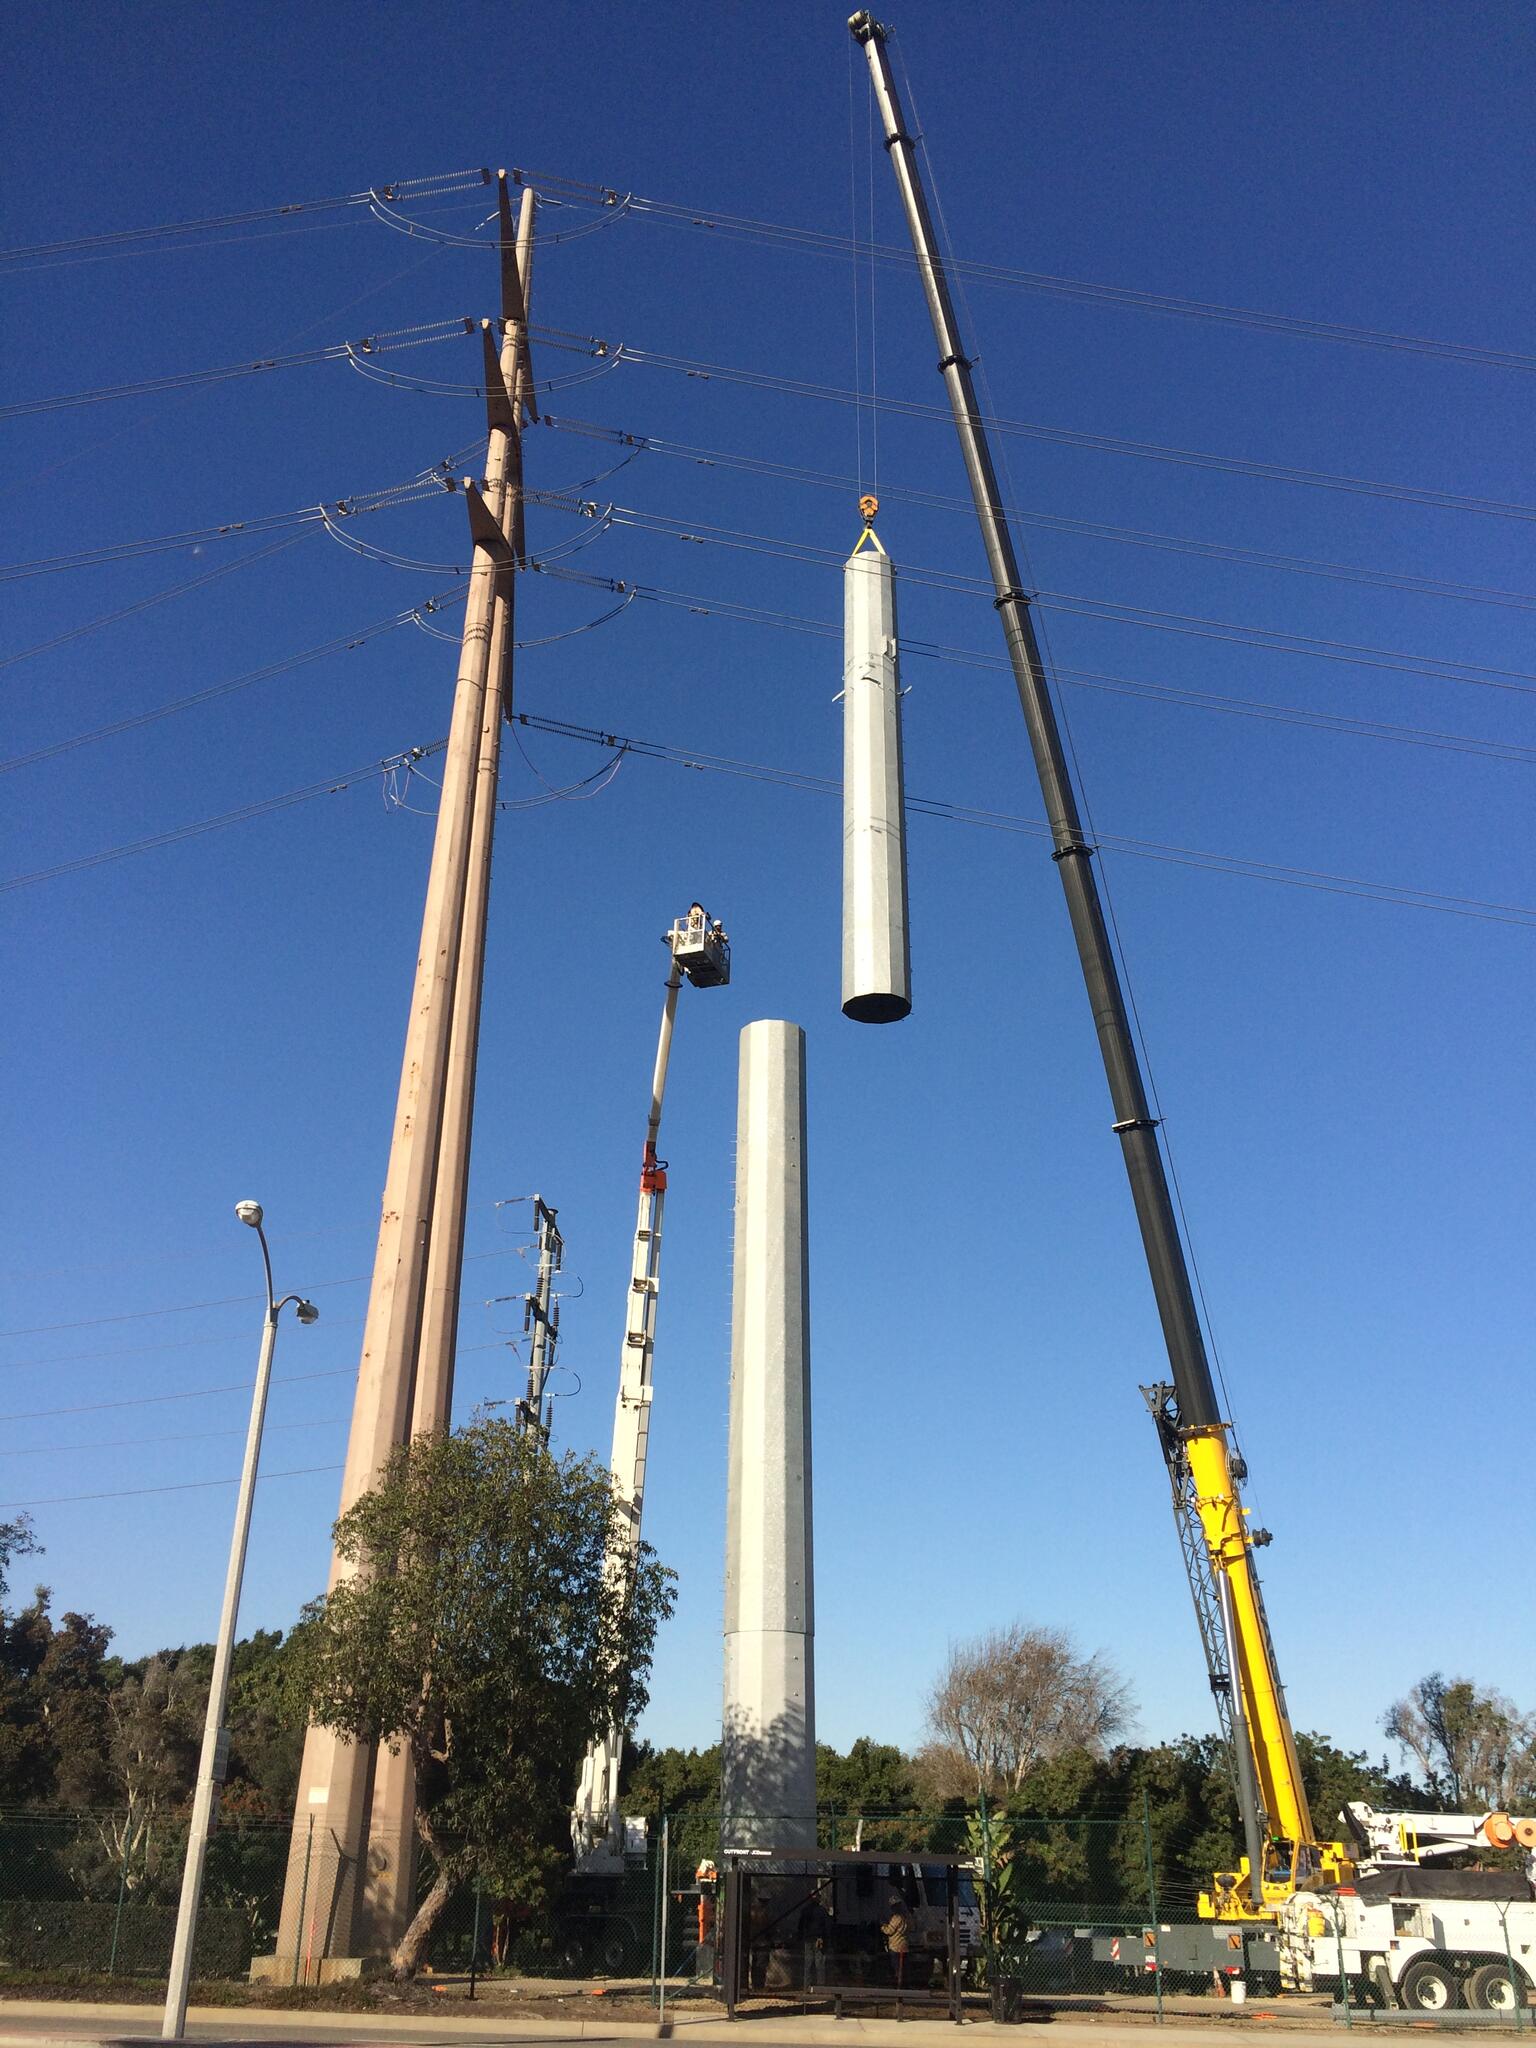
(878, 1008)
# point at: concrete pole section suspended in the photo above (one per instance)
(877, 964)
(363, 1842)
(768, 1742)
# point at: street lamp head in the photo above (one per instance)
(307, 1312)
(250, 1212)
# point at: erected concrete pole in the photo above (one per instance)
(389, 1890)
(320, 1916)
(768, 1748)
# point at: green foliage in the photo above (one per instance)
(1476, 1748)
(476, 1626)
(56, 1936)
(873, 1778)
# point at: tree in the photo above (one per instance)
(478, 1627)
(1476, 1749)
(1012, 1699)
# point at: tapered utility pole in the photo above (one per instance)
(356, 1893)
(1199, 1419)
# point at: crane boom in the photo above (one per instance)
(701, 951)
(1272, 1794)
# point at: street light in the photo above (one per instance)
(215, 1753)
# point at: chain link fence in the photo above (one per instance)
(1093, 1911)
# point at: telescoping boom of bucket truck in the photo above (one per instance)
(700, 951)
(1282, 1844)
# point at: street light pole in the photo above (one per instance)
(215, 1752)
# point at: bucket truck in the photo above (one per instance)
(1405, 1933)
(700, 951)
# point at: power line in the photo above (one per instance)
(425, 484)
(819, 241)
(144, 604)
(1147, 849)
(139, 1443)
(343, 644)
(56, 1500)
(1086, 679)
(243, 814)
(107, 244)
(1274, 640)
(183, 380)
(185, 1394)
(182, 1308)
(1101, 444)
(1258, 558)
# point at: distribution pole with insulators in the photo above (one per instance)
(353, 1891)
(541, 1319)
(877, 966)
(768, 1733)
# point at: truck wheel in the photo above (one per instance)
(1490, 1989)
(1428, 1986)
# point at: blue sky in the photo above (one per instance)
(1346, 1082)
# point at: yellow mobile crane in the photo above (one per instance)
(1282, 1846)
(1284, 1853)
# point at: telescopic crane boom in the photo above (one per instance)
(1277, 1822)
(701, 951)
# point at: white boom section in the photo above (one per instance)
(701, 951)
(1394, 1837)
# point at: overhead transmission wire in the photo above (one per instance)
(1522, 915)
(137, 1443)
(424, 484)
(391, 340)
(144, 604)
(344, 643)
(58, 1500)
(1163, 1135)
(1272, 639)
(824, 242)
(144, 1315)
(81, 246)
(291, 1379)
(1221, 551)
(599, 347)
(731, 609)
(332, 785)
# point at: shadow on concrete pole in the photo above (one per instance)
(210, 1768)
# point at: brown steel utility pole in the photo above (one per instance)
(348, 1889)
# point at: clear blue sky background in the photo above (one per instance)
(1346, 1083)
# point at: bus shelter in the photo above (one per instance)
(844, 1927)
